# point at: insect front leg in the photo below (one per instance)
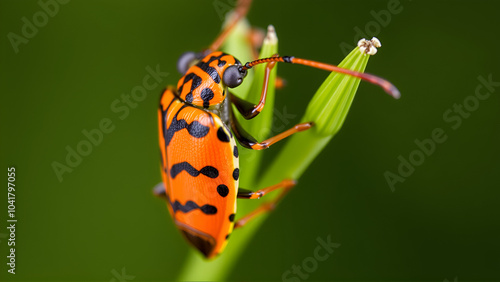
(286, 185)
(247, 109)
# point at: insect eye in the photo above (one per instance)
(233, 76)
(185, 61)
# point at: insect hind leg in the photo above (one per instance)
(286, 185)
(160, 191)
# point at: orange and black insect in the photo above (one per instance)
(197, 132)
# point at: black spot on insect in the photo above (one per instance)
(206, 95)
(208, 209)
(231, 217)
(221, 134)
(189, 98)
(210, 171)
(197, 129)
(222, 190)
(235, 151)
(236, 173)
(227, 236)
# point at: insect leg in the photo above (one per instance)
(159, 191)
(247, 109)
(248, 141)
(286, 185)
(239, 13)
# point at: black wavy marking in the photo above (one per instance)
(211, 71)
(196, 81)
(209, 171)
(194, 129)
(190, 205)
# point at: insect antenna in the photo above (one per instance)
(386, 85)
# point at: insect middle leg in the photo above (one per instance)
(248, 141)
(286, 185)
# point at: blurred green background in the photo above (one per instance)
(441, 223)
